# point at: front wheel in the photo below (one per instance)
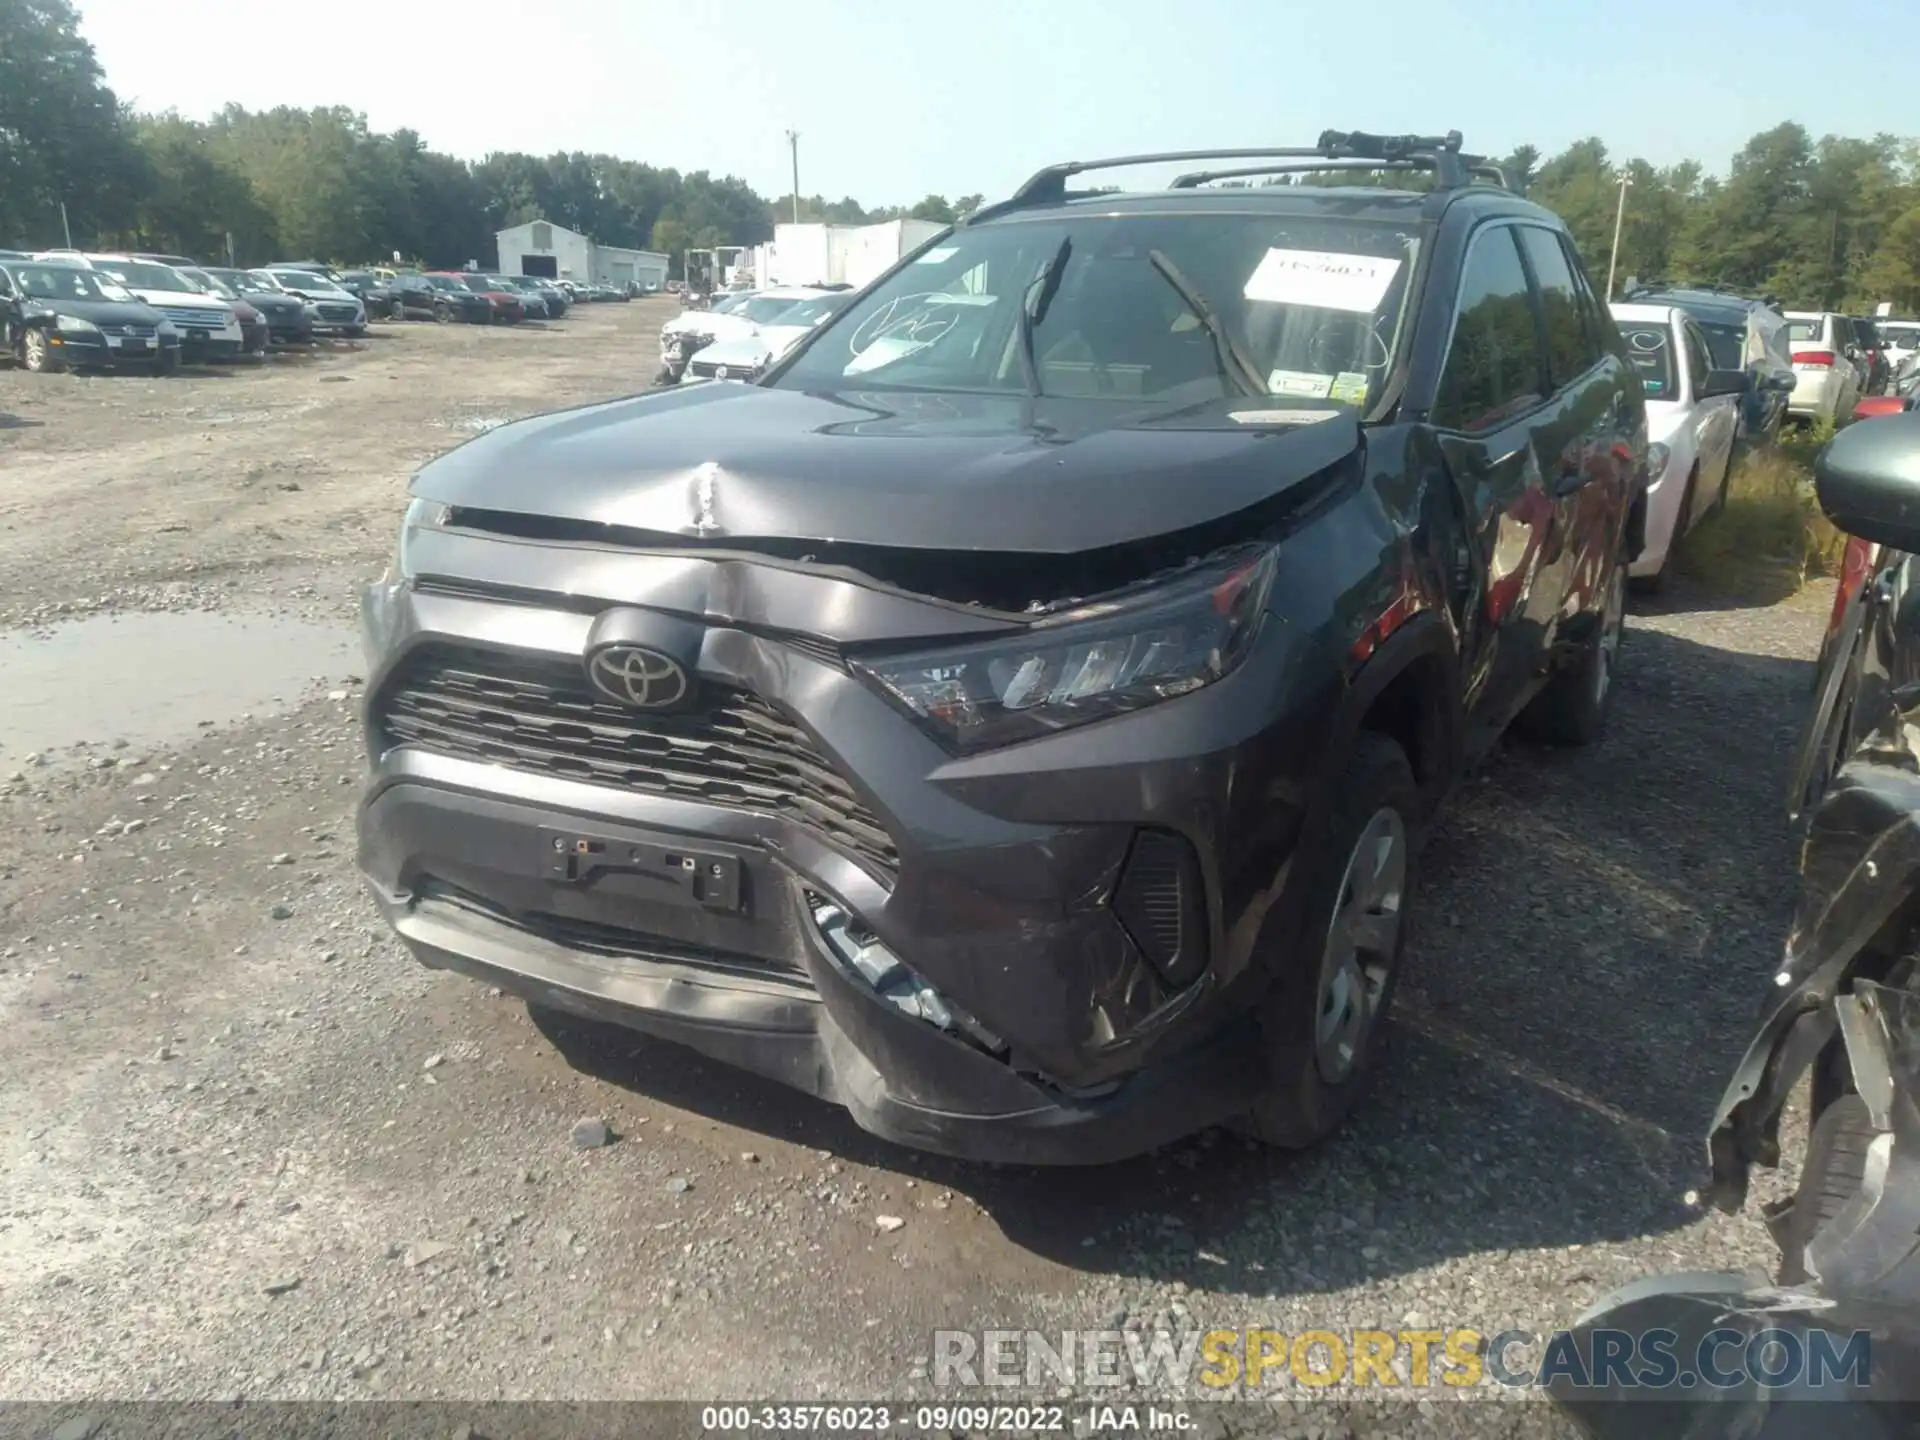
(1324, 1018)
(442, 314)
(1572, 709)
(36, 354)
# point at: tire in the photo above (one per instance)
(1572, 709)
(37, 355)
(441, 314)
(1657, 582)
(1323, 1019)
(1835, 1166)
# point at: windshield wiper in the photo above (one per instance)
(1235, 364)
(1033, 309)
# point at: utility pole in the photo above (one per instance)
(793, 146)
(1619, 217)
(64, 226)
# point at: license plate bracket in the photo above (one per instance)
(198, 334)
(579, 857)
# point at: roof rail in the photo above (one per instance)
(1439, 154)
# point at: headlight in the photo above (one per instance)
(73, 324)
(1657, 457)
(166, 330)
(421, 515)
(1082, 666)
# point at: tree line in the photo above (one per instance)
(1826, 223)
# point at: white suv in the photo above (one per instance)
(1902, 339)
(1827, 366)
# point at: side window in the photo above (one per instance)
(1492, 368)
(1603, 334)
(1697, 362)
(6, 285)
(1570, 351)
(1841, 331)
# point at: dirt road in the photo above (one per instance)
(253, 1150)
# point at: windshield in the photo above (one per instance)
(140, 275)
(765, 309)
(238, 281)
(1650, 346)
(722, 304)
(211, 284)
(1307, 306)
(444, 282)
(306, 280)
(478, 283)
(812, 312)
(1900, 333)
(62, 282)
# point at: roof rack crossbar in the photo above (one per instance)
(1438, 153)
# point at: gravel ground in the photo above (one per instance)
(254, 1151)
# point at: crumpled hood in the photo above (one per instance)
(904, 469)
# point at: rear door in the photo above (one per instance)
(1576, 434)
(1487, 411)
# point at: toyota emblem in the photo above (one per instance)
(642, 678)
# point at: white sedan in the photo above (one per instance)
(741, 357)
(692, 331)
(1693, 412)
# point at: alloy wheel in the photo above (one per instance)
(1363, 943)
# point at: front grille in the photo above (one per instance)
(197, 319)
(539, 715)
(337, 312)
(710, 369)
(135, 331)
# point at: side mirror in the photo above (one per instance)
(1783, 382)
(1852, 352)
(1868, 481)
(1725, 382)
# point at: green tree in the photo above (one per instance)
(62, 134)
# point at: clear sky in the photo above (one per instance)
(895, 99)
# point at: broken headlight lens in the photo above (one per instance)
(422, 514)
(1084, 665)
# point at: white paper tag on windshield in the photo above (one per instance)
(1322, 279)
(1299, 382)
(934, 257)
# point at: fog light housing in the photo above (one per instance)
(1161, 905)
(862, 956)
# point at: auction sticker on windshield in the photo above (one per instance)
(1322, 279)
(934, 257)
(1299, 382)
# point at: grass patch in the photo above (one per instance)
(1771, 531)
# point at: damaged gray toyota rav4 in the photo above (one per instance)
(1013, 716)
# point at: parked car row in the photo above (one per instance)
(73, 309)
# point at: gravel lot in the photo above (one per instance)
(254, 1151)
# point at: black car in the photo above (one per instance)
(64, 317)
(1725, 318)
(288, 322)
(1873, 348)
(448, 299)
(1014, 716)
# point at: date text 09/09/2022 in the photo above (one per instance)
(938, 1419)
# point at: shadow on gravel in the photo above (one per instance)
(10, 421)
(1588, 955)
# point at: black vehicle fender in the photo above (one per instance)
(1409, 689)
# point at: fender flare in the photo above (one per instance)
(1427, 636)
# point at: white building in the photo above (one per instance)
(817, 254)
(557, 253)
